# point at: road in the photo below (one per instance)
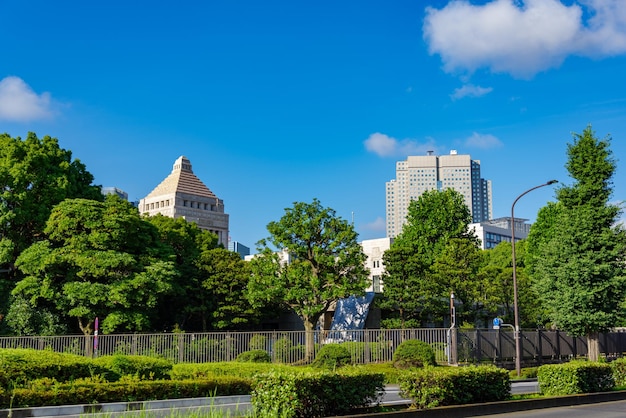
(615, 409)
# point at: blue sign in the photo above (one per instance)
(496, 323)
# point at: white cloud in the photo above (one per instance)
(470, 90)
(523, 37)
(18, 102)
(378, 225)
(483, 141)
(386, 146)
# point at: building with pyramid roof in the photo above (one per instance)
(183, 195)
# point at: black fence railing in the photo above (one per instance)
(366, 346)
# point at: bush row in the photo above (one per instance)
(23, 365)
(575, 377)
(321, 394)
(88, 391)
(433, 386)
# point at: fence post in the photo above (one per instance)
(539, 347)
(181, 347)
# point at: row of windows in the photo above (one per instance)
(186, 203)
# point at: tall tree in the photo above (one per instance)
(411, 291)
(226, 277)
(35, 175)
(326, 264)
(188, 305)
(457, 271)
(580, 274)
(100, 259)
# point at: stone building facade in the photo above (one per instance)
(183, 195)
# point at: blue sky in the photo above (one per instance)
(281, 101)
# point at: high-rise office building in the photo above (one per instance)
(417, 174)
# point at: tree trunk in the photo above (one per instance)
(593, 346)
(309, 341)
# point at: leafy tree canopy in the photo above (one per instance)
(99, 260)
(579, 273)
(326, 263)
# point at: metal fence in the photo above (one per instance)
(365, 346)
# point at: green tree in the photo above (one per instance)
(411, 291)
(457, 270)
(35, 175)
(580, 273)
(188, 304)
(326, 264)
(100, 259)
(497, 273)
(226, 277)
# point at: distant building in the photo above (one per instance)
(239, 248)
(495, 231)
(374, 250)
(114, 190)
(417, 174)
(183, 195)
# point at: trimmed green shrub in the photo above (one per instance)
(19, 365)
(332, 356)
(618, 368)
(430, 387)
(183, 371)
(254, 356)
(258, 342)
(144, 367)
(310, 395)
(286, 352)
(127, 389)
(413, 353)
(575, 377)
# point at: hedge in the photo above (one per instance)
(309, 395)
(575, 377)
(439, 386)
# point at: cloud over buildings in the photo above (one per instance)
(387, 146)
(483, 141)
(19, 103)
(523, 38)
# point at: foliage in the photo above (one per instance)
(326, 263)
(88, 391)
(254, 356)
(575, 377)
(579, 267)
(411, 291)
(21, 365)
(99, 259)
(414, 353)
(618, 368)
(142, 367)
(332, 356)
(188, 304)
(314, 395)
(183, 371)
(497, 285)
(286, 352)
(258, 342)
(225, 281)
(431, 387)
(35, 175)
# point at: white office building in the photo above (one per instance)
(417, 174)
(495, 231)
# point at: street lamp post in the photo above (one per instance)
(518, 351)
